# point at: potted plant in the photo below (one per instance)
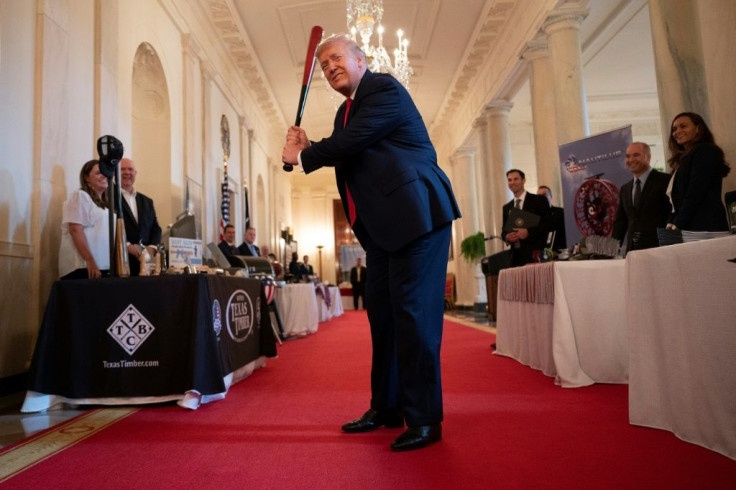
(473, 248)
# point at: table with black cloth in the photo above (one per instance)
(148, 339)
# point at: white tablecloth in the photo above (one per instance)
(335, 301)
(590, 341)
(566, 319)
(297, 305)
(682, 328)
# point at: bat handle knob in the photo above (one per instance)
(287, 167)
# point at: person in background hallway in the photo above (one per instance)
(403, 222)
(639, 216)
(248, 247)
(525, 241)
(306, 269)
(295, 267)
(358, 279)
(557, 216)
(228, 244)
(84, 252)
(265, 250)
(699, 167)
(139, 215)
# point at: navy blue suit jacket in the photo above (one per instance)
(385, 157)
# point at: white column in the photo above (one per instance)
(544, 123)
(678, 57)
(562, 29)
(469, 289)
(500, 145)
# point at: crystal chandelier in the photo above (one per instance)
(363, 17)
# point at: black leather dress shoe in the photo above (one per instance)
(374, 419)
(417, 437)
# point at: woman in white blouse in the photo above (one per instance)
(85, 242)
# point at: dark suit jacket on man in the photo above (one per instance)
(639, 226)
(145, 230)
(537, 239)
(404, 206)
(227, 249)
(243, 249)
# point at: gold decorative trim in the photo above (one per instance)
(61, 437)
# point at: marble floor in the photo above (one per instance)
(15, 425)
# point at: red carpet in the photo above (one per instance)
(506, 426)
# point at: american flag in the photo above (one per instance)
(247, 208)
(225, 206)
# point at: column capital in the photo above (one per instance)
(463, 152)
(564, 18)
(481, 121)
(498, 107)
(535, 49)
(190, 46)
(207, 69)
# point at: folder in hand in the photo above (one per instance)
(518, 218)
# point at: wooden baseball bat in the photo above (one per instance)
(314, 40)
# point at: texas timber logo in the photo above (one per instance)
(239, 316)
(130, 329)
(216, 317)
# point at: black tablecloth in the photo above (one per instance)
(149, 336)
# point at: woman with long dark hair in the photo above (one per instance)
(85, 240)
(699, 167)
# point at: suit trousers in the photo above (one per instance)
(405, 301)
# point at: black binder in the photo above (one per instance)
(518, 218)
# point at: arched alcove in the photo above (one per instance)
(151, 134)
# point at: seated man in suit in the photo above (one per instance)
(525, 241)
(357, 279)
(558, 219)
(141, 226)
(248, 247)
(228, 244)
(643, 205)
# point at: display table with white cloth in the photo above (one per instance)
(566, 319)
(297, 306)
(681, 310)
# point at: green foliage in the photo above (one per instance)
(473, 248)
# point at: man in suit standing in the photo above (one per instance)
(141, 226)
(525, 241)
(557, 216)
(358, 279)
(402, 220)
(227, 245)
(643, 205)
(248, 247)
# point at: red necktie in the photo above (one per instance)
(351, 204)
